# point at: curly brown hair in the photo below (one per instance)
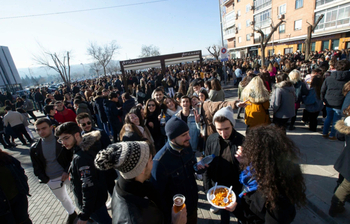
(274, 159)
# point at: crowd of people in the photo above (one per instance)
(138, 137)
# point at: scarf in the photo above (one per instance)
(249, 183)
(171, 113)
(175, 147)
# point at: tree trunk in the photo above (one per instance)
(262, 54)
(308, 43)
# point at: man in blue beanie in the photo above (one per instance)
(173, 171)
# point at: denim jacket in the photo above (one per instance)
(173, 173)
(194, 129)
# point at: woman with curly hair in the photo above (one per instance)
(272, 180)
(257, 112)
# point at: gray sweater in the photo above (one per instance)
(215, 95)
(283, 100)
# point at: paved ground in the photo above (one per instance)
(317, 158)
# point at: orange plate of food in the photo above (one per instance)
(220, 193)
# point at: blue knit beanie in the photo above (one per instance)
(175, 127)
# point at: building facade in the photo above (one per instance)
(333, 31)
(9, 77)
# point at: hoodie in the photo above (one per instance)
(283, 100)
(331, 90)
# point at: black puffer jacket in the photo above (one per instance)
(331, 91)
(64, 157)
(88, 182)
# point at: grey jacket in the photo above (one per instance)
(215, 95)
(283, 100)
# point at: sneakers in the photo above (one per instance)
(71, 218)
(213, 209)
(337, 207)
(109, 204)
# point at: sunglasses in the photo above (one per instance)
(87, 123)
(151, 105)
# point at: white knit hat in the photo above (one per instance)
(225, 112)
(129, 158)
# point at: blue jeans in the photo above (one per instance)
(105, 127)
(332, 115)
(101, 216)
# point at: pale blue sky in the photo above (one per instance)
(173, 26)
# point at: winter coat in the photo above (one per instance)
(219, 169)
(156, 133)
(283, 100)
(63, 156)
(342, 165)
(215, 95)
(331, 90)
(88, 183)
(312, 103)
(209, 108)
(136, 208)
(114, 115)
(83, 108)
(99, 102)
(300, 90)
(127, 105)
(21, 183)
(173, 173)
(253, 207)
(346, 102)
(65, 115)
(257, 114)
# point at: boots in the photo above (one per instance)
(337, 207)
(71, 218)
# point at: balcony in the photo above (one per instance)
(229, 33)
(228, 2)
(322, 2)
(260, 4)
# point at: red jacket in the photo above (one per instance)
(65, 116)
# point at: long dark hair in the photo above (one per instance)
(316, 83)
(146, 110)
(273, 157)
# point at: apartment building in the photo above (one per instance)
(333, 31)
(9, 77)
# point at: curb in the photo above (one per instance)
(319, 212)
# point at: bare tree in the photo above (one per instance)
(96, 67)
(113, 67)
(59, 63)
(149, 51)
(214, 50)
(103, 54)
(264, 40)
(310, 30)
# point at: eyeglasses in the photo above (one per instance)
(63, 139)
(87, 123)
(151, 105)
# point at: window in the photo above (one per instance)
(247, 8)
(297, 24)
(239, 12)
(238, 0)
(288, 50)
(247, 23)
(300, 47)
(313, 46)
(248, 37)
(259, 4)
(239, 26)
(322, 2)
(263, 19)
(282, 28)
(282, 9)
(299, 4)
(335, 17)
(271, 52)
(325, 45)
(239, 39)
(335, 44)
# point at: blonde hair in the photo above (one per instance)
(294, 76)
(270, 68)
(256, 91)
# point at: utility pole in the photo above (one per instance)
(222, 43)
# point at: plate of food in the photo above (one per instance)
(220, 193)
